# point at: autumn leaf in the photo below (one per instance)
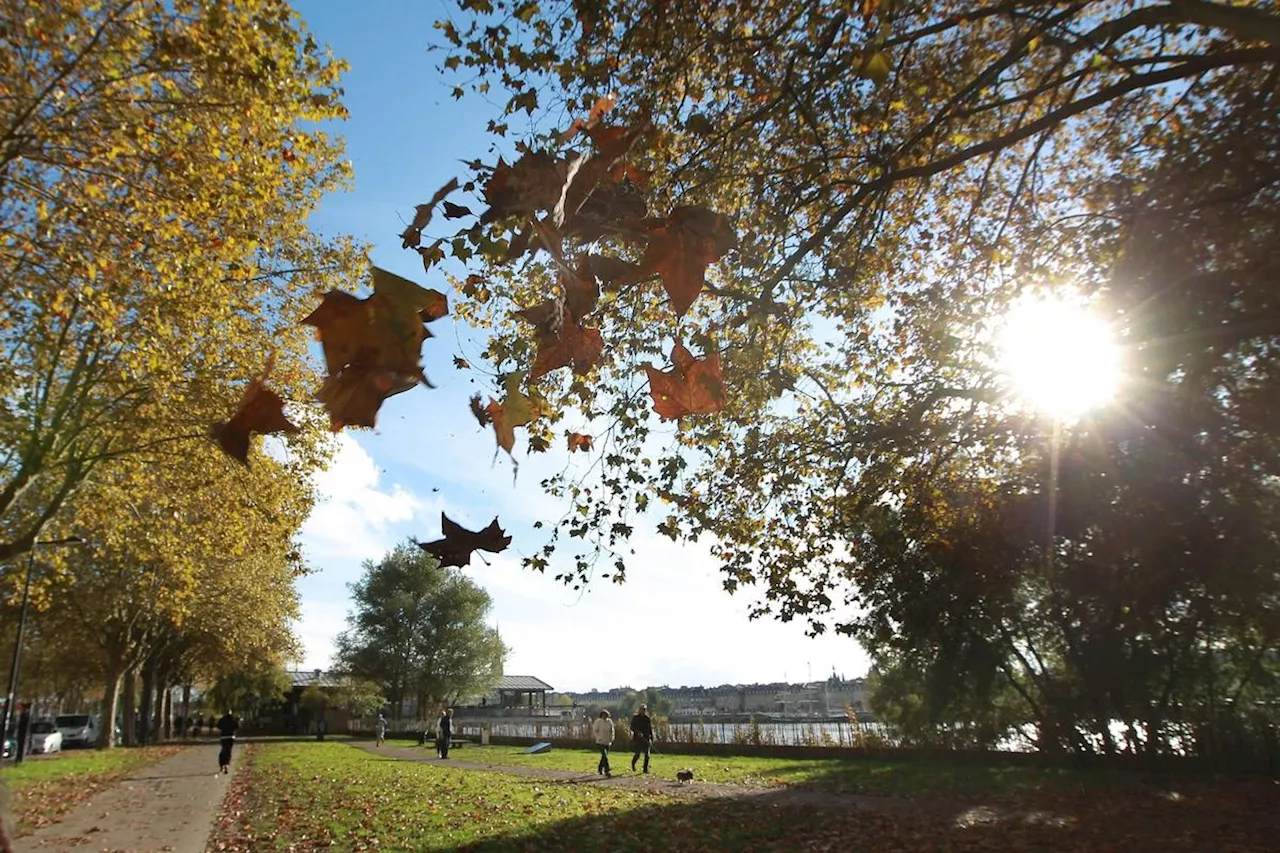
(692, 387)
(601, 106)
(455, 211)
(573, 345)
(480, 411)
(461, 363)
(534, 182)
(578, 441)
(372, 346)
(456, 547)
(260, 410)
(538, 444)
(354, 396)
(679, 250)
(516, 409)
(875, 66)
(412, 235)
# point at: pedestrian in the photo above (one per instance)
(641, 737)
(199, 724)
(382, 728)
(227, 730)
(444, 733)
(602, 729)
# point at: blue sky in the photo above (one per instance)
(671, 623)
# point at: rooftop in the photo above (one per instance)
(522, 682)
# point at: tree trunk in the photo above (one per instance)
(148, 693)
(110, 705)
(167, 709)
(130, 706)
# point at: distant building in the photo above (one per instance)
(818, 699)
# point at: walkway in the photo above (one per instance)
(166, 808)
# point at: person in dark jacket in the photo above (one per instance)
(641, 737)
(227, 726)
(445, 733)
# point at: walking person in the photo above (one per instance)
(641, 737)
(381, 727)
(602, 730)
(444, 732)
(227, 726)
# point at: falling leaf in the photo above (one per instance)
(680, 248)
(601, 106)
(260, 410)
(516, 409)
(412, 235)
(573, 344)
(455, 211)
(456, 547)
(578, 441)
(692, 387)
(372, 346)
(534, 182)
(354, 396)
(461, 363)
(478, 409)
(538, 444)
(874, 66)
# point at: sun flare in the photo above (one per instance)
(1059, 357)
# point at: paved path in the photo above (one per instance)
(168, 807)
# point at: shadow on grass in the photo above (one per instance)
(1241, 819)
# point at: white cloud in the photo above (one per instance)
(354, 516)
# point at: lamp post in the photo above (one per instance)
(11, 696)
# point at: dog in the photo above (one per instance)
(685, 775)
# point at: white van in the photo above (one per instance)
(78, 729)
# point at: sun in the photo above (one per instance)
(1059, 357)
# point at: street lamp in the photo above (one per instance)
(22, 626)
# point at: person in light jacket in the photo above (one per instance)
(602, 731)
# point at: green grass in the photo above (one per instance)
(46, 787)
(864, 776)
(307, 797)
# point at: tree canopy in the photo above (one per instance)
(841, 204)
(418, 629)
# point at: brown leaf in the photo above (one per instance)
(455, 211)
(601, 106)
(534, 182)
(412, 235)
(573, 345)
(260, 410)
(372, 346)
(480, 411)
(680, 248)
(692, 387)
(354, 396)
(456, 547)
(538, 444)
(460, 363)
(578, 441)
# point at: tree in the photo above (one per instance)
(895, 180)
(247, 691)
(418, 630)
(850, 329)
(158, 161)
(359, 697)
(659, 705)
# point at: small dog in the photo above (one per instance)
(685, 775)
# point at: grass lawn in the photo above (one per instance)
(862, 776)
(45, 787)
(331, 796)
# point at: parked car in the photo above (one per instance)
(44, 738)
(77, 729)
